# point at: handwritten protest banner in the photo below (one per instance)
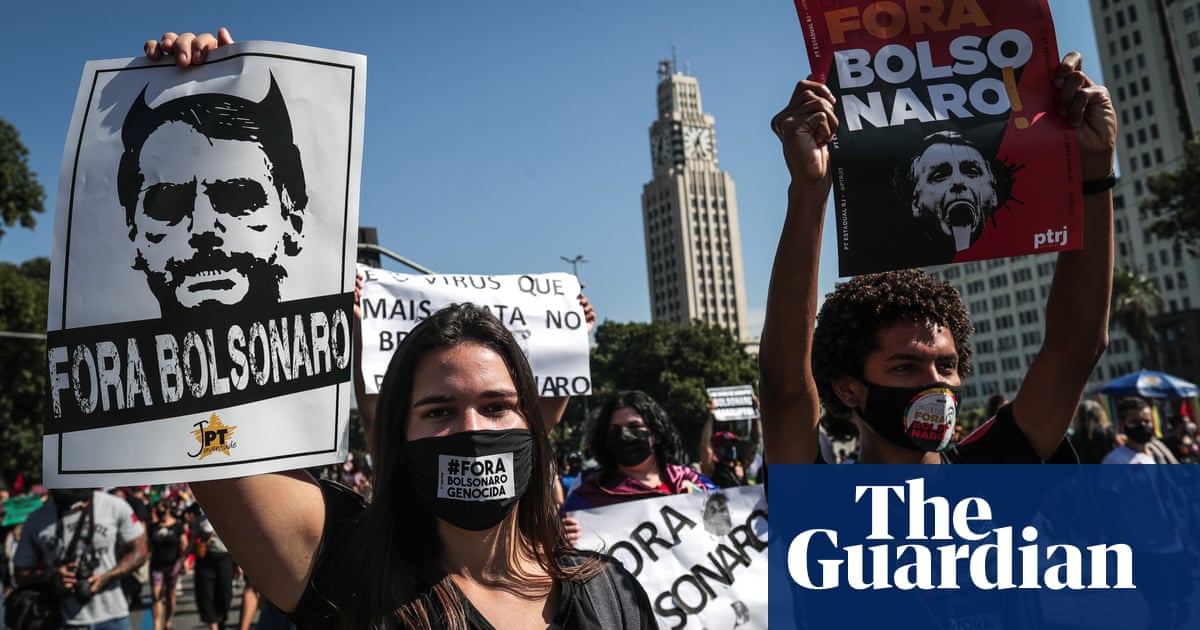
(950, 147)
(203, 266)
(541, 310)
(733, 403)
(701, 557)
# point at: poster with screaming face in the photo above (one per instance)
(950, 147)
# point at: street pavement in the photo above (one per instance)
(187, 617)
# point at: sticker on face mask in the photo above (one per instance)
(485, 478)
(929, 419)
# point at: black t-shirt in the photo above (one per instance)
(576, 607)
(1000, 441)
(726, 476)
(164, 544)
(141, 509)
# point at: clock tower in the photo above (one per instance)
(689, 215)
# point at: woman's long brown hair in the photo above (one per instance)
(392, 554)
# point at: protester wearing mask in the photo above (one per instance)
(570, 472)
(462, 531)
(1141, 446)
(892, 349)
(727, 466)
(1182, 440)
(724, 457)
(640, 456)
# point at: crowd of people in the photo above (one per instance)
(1134, 438)
(389, 544)
(110, 551)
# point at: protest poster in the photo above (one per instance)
(541, 310)
(701, 557)
(950, 147)
(732, 403)
(202, 270)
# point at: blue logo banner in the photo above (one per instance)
(984, 547)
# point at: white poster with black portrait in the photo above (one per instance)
(542, 311)
(203, 267)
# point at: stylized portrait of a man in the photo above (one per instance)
(214, 196)
(952, 189)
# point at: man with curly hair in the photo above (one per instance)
(891, 349)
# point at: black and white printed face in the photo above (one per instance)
(956, 189)
(208, 222)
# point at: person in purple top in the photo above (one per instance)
(640, 455)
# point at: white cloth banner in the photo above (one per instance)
(541, 310)
(701, 557)
(202, 271)
(733, 403)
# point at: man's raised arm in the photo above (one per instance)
(1077, 307)
(790, 407)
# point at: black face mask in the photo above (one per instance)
(919, 418)
(629, 447)
(471, 479)
(1140, 433)
(727, 454)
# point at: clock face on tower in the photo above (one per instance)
(698, 142)
(660, 148)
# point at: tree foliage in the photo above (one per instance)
(23, 293)
(1135, 302)
(672, 363)
(21, 196)
(1178, 193)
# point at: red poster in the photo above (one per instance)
(950, 147)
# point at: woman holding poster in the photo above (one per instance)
(462, 531)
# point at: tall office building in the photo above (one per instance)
(1150, 54)
(689, 214)
(1150, 59)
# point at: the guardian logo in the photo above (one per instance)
(970, 555)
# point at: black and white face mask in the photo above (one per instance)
(471, 479)
(920, 418)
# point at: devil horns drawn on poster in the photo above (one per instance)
(203, 267)
(214, 231)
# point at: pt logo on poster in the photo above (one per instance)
(214, 436)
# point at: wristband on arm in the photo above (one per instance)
(1095, 186)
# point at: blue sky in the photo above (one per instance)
(499, 135)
